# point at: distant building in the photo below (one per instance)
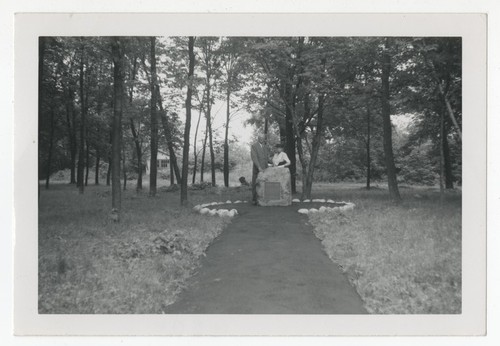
(162, 162)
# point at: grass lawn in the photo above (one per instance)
(89, 264)
(402, 259)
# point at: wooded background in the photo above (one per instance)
(385, 109)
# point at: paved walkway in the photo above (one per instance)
(268, 261)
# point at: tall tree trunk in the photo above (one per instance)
(81, 150)
(108, 173)
(441, 158)
(96, 147)
(226, 140)
(153, 171)
(303, 164)
(51, 148)
(117, 53)
(124, 167)
(208, 89)
(168, 136)
(97, 163)
(138, 150)
(300, 150)
(187, 126)
(74, 145)
(135, 134)
(448, 171)
(368, 153)
(41, 57)
(171, 149)
(387, 125)
(282, 130)
(266, 111)
(110, 159)
(194, 146)
(70, 124)
(172, 174)
(87, 157)
(316, 142)
(290, 135)
(210, 136)
(203, 152)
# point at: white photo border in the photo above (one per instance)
(472, 29)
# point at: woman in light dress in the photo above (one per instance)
(280, 158)
(281, 161)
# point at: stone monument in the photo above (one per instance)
(274, 187)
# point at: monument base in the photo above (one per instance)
(274, 187)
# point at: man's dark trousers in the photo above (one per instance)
(255, 172)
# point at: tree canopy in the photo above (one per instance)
(345, 108)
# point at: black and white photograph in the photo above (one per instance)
(243, 175)
(225, 180)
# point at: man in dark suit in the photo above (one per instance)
(260, 157)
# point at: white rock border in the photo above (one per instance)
(317, 200)
(203, 210)
(324, 209)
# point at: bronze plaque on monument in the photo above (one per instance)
(272, 191)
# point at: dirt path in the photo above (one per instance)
(268, 261)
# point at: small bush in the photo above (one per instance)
(201, 186)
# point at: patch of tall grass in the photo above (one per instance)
(401, 258)
(89, 264)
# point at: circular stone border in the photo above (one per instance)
(203, 210)
(346, 207)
